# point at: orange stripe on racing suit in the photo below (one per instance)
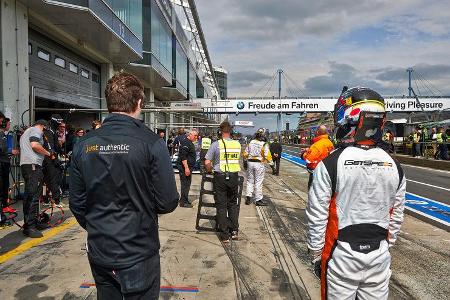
(331, 236)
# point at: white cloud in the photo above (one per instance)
(313, 40)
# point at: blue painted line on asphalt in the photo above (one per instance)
(429, 208)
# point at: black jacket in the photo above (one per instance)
(121, 178)
(187, 152)
(276, 148)
(4, 156)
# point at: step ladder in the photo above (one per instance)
(201, 214)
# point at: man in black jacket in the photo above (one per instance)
(275, 150)
(121, 178)
(187, 157)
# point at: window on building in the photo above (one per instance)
(181, 66)
(73, 68)
(30, 49)
(161, 38)
(60, 62)
(85, 73)
(95, 78)
(43, 54)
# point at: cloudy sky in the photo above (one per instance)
(323, 45)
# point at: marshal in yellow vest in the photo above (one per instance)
(206, 143)
(230, 163)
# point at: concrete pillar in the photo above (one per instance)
(171, 121)
(14, 70)
(149, 117)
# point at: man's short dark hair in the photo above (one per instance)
(225, 126)
(123, 92)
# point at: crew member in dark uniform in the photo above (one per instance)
(187, 157)
(52, 168)
(275, 150)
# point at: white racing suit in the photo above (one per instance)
(355, 210)
(257, 152)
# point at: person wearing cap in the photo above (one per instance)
(32, 155)
(52, 167)
(223, 158)
(257, 153)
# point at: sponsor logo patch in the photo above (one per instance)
(351, 162)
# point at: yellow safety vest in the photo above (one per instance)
(206, 143)
(439, 138)
(229, 159)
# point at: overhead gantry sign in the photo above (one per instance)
(325, 105)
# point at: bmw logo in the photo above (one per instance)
(240, 105)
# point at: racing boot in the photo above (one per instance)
(248, 200)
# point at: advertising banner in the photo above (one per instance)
(327, 105)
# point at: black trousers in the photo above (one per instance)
(226, 198)
(443, 151)
(202, 160)
(5, 168)
(276, 161)
(33, 176)
(52, 178)
(185, 182)
(138, 282)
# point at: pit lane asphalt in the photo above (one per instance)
(425, 182)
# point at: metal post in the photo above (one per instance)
(409, 70)
(279, 124)
(32, 112)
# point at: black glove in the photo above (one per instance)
(318, 268)
(316, 261)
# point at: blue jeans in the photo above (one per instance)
(140, 281)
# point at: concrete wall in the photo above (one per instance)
(14, 86)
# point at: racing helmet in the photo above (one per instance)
(359, 115)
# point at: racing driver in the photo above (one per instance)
(356, 203)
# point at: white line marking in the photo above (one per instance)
(427, 184)
(428, 169)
